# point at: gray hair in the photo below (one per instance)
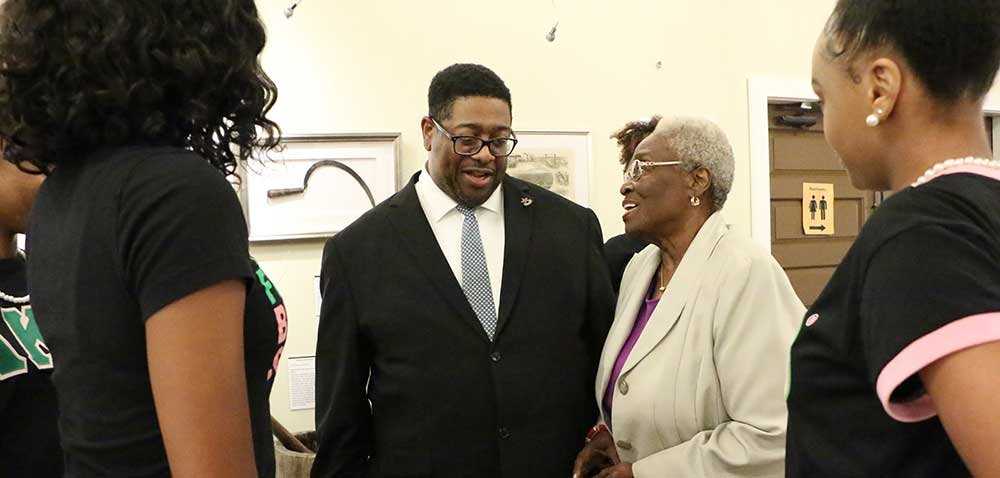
(700, 143)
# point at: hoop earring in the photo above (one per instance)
(695, 201)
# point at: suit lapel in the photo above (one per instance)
(630, 298)
(518, 215)
(681, 290)
(418, 239)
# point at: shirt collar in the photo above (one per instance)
(439, 204)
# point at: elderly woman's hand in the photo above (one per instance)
(598, 455)
(621, 470)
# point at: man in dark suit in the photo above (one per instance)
(463, 318)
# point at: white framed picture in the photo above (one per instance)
(314, 186)
(557, 160)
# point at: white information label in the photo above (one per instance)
(302, 383)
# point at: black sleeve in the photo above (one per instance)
(618, 251)
(343, 361)
(180, 229)
(600, 296)
(926, 294)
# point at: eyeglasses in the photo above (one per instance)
(471, 145)
(635, 168)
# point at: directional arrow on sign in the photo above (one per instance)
(817, 228)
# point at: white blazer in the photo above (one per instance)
(702, 393)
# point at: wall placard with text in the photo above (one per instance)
(817, 209)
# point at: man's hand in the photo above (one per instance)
(599, 454)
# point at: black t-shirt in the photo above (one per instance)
(112, 241)
(29, 438)
(921, 281)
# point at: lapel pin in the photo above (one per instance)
(526, 201)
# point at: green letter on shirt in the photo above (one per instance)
(11, 362)
(267, 285)
(21, 323)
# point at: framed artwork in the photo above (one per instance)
(555, 160)
(314, 186)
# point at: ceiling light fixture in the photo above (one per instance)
(291, 8)
(551, 35)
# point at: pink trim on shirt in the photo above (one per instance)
(989, 172)
(958, 335)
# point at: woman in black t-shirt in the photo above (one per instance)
(162, 329)
(29, 439)
(895, 370)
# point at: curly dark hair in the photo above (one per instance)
(953, 47)
(77, 76)
(463, 79)
(632, 134)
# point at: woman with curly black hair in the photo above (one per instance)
(162, 329)
(620, 249)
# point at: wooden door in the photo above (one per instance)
(800, 154)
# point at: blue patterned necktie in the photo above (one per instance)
(475, 273)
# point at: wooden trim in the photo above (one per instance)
(760, 92)
(996, 137)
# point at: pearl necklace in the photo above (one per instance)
(14, 299)
(952, 163)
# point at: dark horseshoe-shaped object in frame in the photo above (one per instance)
(277, 193)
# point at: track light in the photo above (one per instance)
(551, 36)
(291, 8)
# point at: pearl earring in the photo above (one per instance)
(695, 201)
(873, 119)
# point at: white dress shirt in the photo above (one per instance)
(446, 222)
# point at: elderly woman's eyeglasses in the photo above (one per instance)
(471, 145)
(635, 168)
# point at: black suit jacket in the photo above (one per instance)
(442, 400)
(618, 251)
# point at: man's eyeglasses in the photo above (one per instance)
(471, 145)
(635, 168)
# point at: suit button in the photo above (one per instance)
(504, 433)
(495, 357)
(624, 445)
(623, 386)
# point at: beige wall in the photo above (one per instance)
(364, 66)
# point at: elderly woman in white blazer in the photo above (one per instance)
(692, 378)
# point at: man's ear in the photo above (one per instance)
(427, 128)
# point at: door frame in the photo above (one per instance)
(760, 92)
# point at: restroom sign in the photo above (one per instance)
(817, 209)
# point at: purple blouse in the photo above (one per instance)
(645, 312)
